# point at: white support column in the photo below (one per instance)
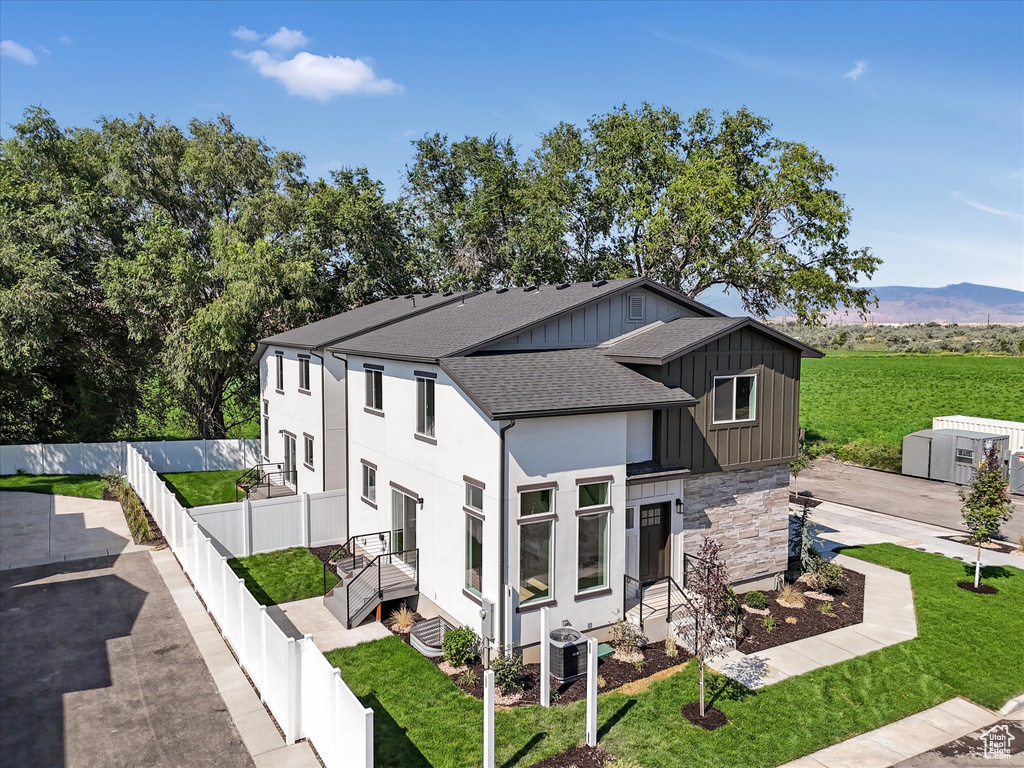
(591, 691)
(291, 727)
(305, 519)
(489, 718)
(545, 658)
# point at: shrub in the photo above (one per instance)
(670, 643)
(791, 597)
(756, 600)
(459, 646)
(768, 622)
(627, 638)
(731, 601)
(508, 673)
(468, 677)
(827, 575)
(826, 609)
(403, 617)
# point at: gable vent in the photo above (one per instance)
(635, 308)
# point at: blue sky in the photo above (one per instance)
(926, 131)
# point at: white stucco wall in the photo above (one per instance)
(564, 449)
(639, 435)
(294, 411)
(467, 444)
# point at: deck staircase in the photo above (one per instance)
(656, 606)
(371, 574)
(265, 481)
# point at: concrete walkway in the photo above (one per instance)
(888, 619)
(311, 617)
(259, 733)
(892, 744)
(39, 529)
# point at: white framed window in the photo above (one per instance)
(474, 554)
(266, 429)
(536, 561)
(369, 483)
(593, 495)
(307, 450)
(474, 497)
(279, 362)
(425, 406)
(304, 374)
(964, 456)
(630, 518)
(374, 389)
(592, 552)
(734, 398)
(635, 307)
(539, 502)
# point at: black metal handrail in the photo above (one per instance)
(347, 550)
(363, 581)
(250, 478)
(640, 589)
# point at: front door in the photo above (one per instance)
(403, 516)
(654, 528)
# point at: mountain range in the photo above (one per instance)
(960, 303)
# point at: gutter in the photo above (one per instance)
(502, 517)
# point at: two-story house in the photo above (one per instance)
(548, 446)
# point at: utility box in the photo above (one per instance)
(949, 454)
(1017, 473)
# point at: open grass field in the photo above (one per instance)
(85, 486)
(861, 404)
(968, 645)
(197, 489)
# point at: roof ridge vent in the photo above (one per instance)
(448, 293)
(599, 283)
(503, 289)
(529, 288)
(411, 296)
(427, 295)
(392, 298)
(561, 286)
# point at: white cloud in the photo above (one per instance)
(286, 39)
(43, 50)
(66, 40)
(244, 33)
(986, 208)
(12, 50)
(859, 68)
(319, 77)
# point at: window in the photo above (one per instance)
(304, 373)
(592, 552)
(593, 495)
(964, 456)
(535, 560)
(307, 450)
(266, 429)
(735, 398)
(474, 554)
(280, 371)
(425, 406)
(375, 389)
(630, 518)
(535, 502)
(474, 497)
(369, 483)
(635, 308)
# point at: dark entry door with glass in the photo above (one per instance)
(654, 529)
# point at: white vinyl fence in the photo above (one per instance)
(97, 458)
(1015, 429)
(248, 527)
(303, 691)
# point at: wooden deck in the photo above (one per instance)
(271, 491)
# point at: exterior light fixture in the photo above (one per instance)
(679, 506)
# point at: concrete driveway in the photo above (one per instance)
(36, 529)
(100, 669)
(926, 501)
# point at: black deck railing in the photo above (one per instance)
(348, 558)
(261, 477)
(673, 590)
(384, 573)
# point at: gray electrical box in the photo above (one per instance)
(949, 454)
(1017, 473)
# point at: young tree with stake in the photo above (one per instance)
(707, 584)
(986, 503)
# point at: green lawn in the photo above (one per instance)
(196, 489)
(861, 404)
(85, 486)
(968, 645)
(283, 576)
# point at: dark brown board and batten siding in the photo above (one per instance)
(688, 437)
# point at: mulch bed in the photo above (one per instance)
(713, 718)
(981, 589)
(157, 539)
(577, 757)
(323, 554)
(847, 609)
(992, 546)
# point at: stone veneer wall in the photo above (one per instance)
(747, 511)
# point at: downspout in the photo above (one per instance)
(344, 361)
(502, 517)
(323, 419)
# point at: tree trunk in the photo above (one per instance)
(702, 689)
(977, 568)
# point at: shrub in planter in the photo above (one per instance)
(627, 638)
(508, 673)
(756, 600)
(459, 646)
(827, 575)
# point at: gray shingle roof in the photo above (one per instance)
(557, 382)
(459, 327)
(360, 319)
(660, 342)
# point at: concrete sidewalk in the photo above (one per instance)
(892, 744)
(311, 617)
